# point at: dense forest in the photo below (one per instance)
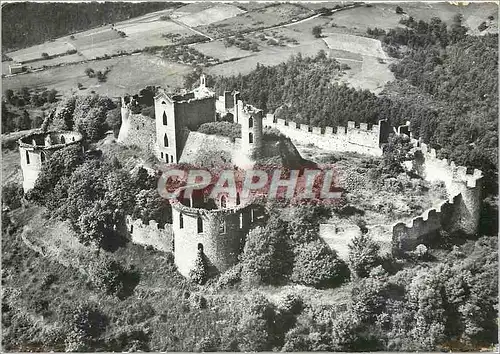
(447, 87)
(25, 24)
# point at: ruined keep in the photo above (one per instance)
(136, 129)
(36, 148)
(176, 115)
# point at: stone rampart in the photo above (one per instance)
(364, 139)
(460, 213)
(138, 130)
(151, 234)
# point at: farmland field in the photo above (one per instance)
(263, 17)
(210, 15)
(128, 74)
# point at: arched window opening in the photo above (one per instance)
(63, 141)
(250, 138)
(172, 158)
(250, 122)
(200, 225)
(223, 201)
(165, 140)
(200, 247)
(161, 154)
(163, 102)
(42, 156)
(131, 228)
(166, 157)
(27, 158)
(223, 227)
(181, 221)
(73, 138)
(238, 199)
(164, 118)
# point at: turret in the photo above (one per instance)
(125, 126)
(251, 130)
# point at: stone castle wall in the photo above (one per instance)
(364, 139)
(151, 234)
(35, 149)
(137, 130)
(460, 213)
(221, 238)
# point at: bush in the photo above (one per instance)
(317, 265)
(199, 274)
(316, 31)
(45, 55)
(107, 276)
(12, 194)
(231, 130)
(482, 26)
(399, 10)
(363, 255)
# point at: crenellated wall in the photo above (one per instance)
(150, 234)
(364, 139)
(460, 213)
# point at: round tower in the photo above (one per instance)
(218, 233)
(35, 149)
(250, 119)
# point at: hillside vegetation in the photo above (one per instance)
(40, 22)
(447, 87)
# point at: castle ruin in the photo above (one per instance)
(35, 149)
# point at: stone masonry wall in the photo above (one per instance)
(460, 213)
(138, 130)
(364, 139)
(150, 234)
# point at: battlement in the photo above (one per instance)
(49, 140)
(150, 234)
(447, 170)
(364, 138)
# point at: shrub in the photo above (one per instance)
(317, 265)
(107, 276)
(230, 277)
(316, 31)
(45, 55)
(482, 26)
(363, 255)
(12, 194)
(199, 274)
(399, 10)
(231, 130)
(291, 303)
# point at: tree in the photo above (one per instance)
(52, 96)
(107, 276)
(90, 72)
(267, 254)
(399, 10)
(8, 95)
(316, 31)
(396, 152)
(97, 224)
(315, 264)
(12, 194)
(60, 164)
(45, 55)
(363, 255)
(199, 273)
(149, 205)
(84, 324)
